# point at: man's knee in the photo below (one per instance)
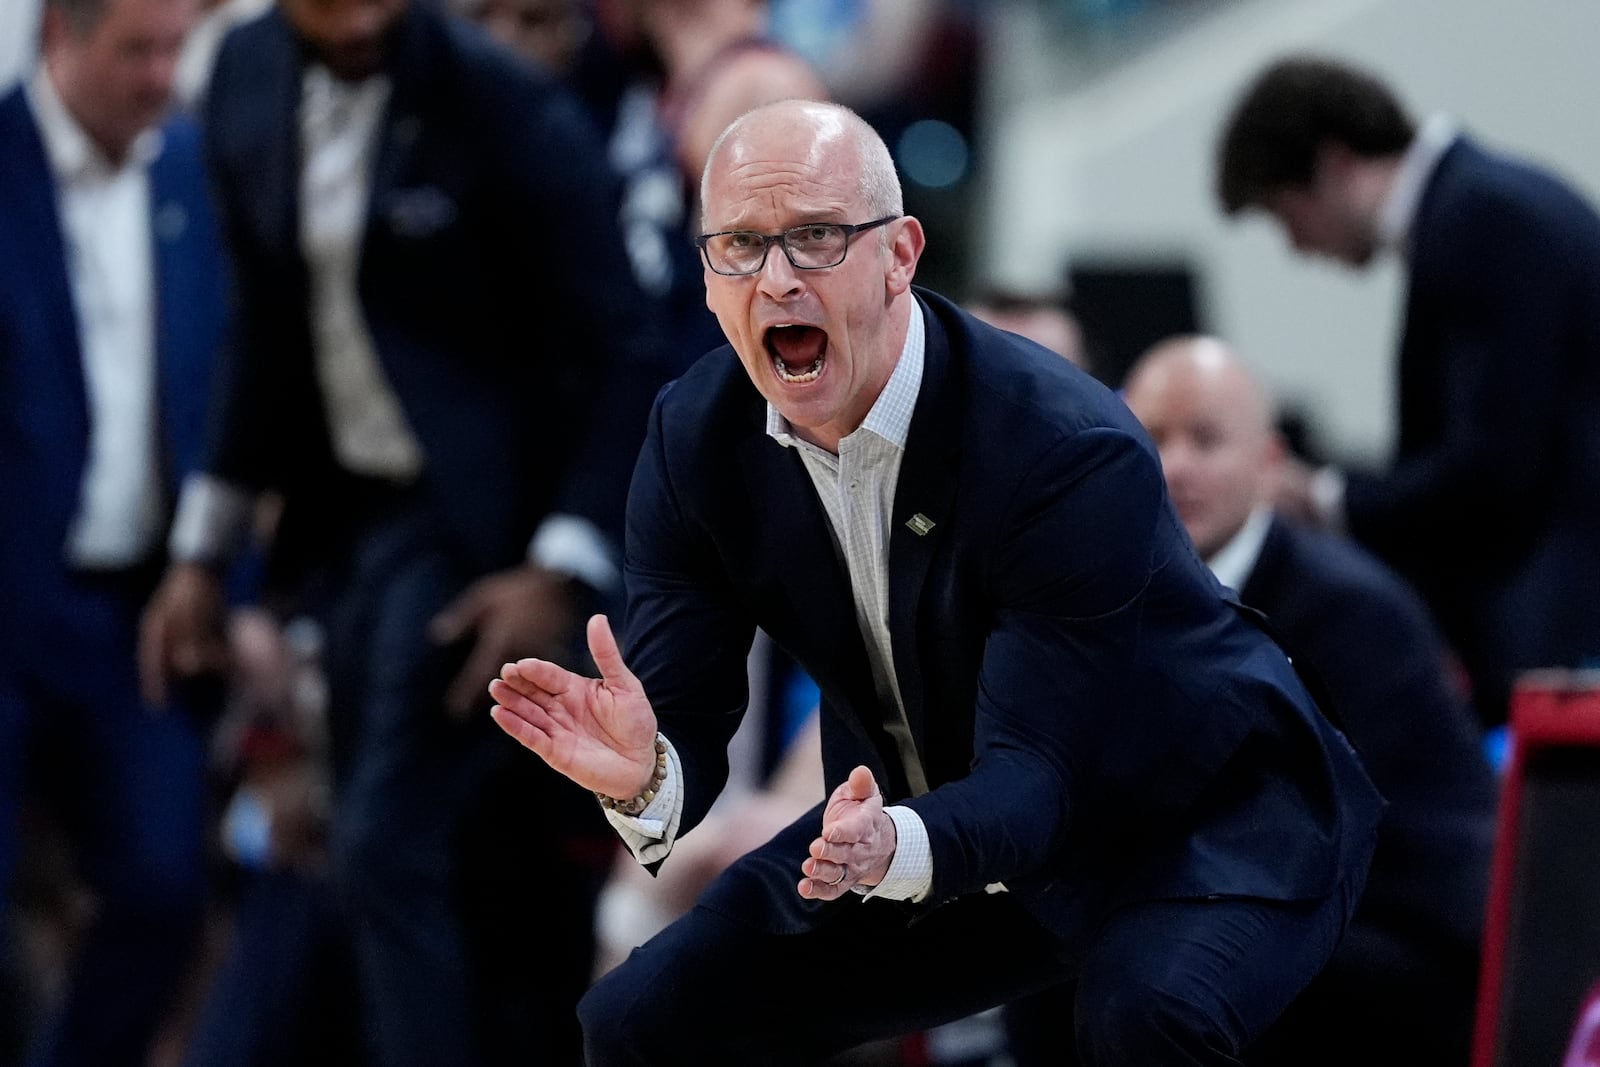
(1137, 1025)
(617, 1020)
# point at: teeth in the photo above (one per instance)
(787, 375)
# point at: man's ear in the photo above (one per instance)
(1336, 162)
(1274, 451)
(1274, 456)
(905, 249)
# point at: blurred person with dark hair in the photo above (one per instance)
(443, 368)
(112, 306)
(551, 33)
(1491, 505)
(1401, 987)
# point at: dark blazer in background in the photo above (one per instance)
(1080, 689)
(1492, 505)
(73, 729)
(499, 313)
(44, 435)
(1374, 646)
(1401, 988)
(502, 311)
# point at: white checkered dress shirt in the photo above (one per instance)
(856, 488)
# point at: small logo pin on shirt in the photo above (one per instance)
(920, 524)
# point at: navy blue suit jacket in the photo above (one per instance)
(1492, 505)
(1096, 719)
(44, 406)
(493, 280)
(1377, 651)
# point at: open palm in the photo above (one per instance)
(599, 732)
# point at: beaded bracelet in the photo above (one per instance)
(634, 805)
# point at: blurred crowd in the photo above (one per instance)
(329, 331)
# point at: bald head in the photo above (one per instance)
(1213, 424)
(825, 134)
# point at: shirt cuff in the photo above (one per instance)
(574, 546)
(649, 835)
(910, 874)
(212, 519)
(1327, 489)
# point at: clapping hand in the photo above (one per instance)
(599, 732)
(857, 842)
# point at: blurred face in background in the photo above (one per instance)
(350, 37)
(1213, 427)
(1335, 216)
(1039, 321)
(113, 69)
(549, 32)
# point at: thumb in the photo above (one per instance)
(457, 617)
(607, 656)
(152, 657)
(861, 785)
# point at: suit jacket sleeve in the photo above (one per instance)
(687, 636)
(1056, 709)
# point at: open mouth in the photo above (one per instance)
(797, 352)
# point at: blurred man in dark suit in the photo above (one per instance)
(1400, 989)
(443, 367)
(1491, 506)
(112, 306)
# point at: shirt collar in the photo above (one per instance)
(890, 417)
(320, 85)
(73, 154)
(1234, 561)
(1398, 214)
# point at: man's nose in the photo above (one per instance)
(159, 72)
(1176, 463)
(777, 276)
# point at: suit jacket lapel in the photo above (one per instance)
(170, 251)
(272, 114)
(922, 511)
(402, 122)
(28, 197)
(190, 281)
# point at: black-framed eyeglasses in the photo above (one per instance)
(814, 246)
